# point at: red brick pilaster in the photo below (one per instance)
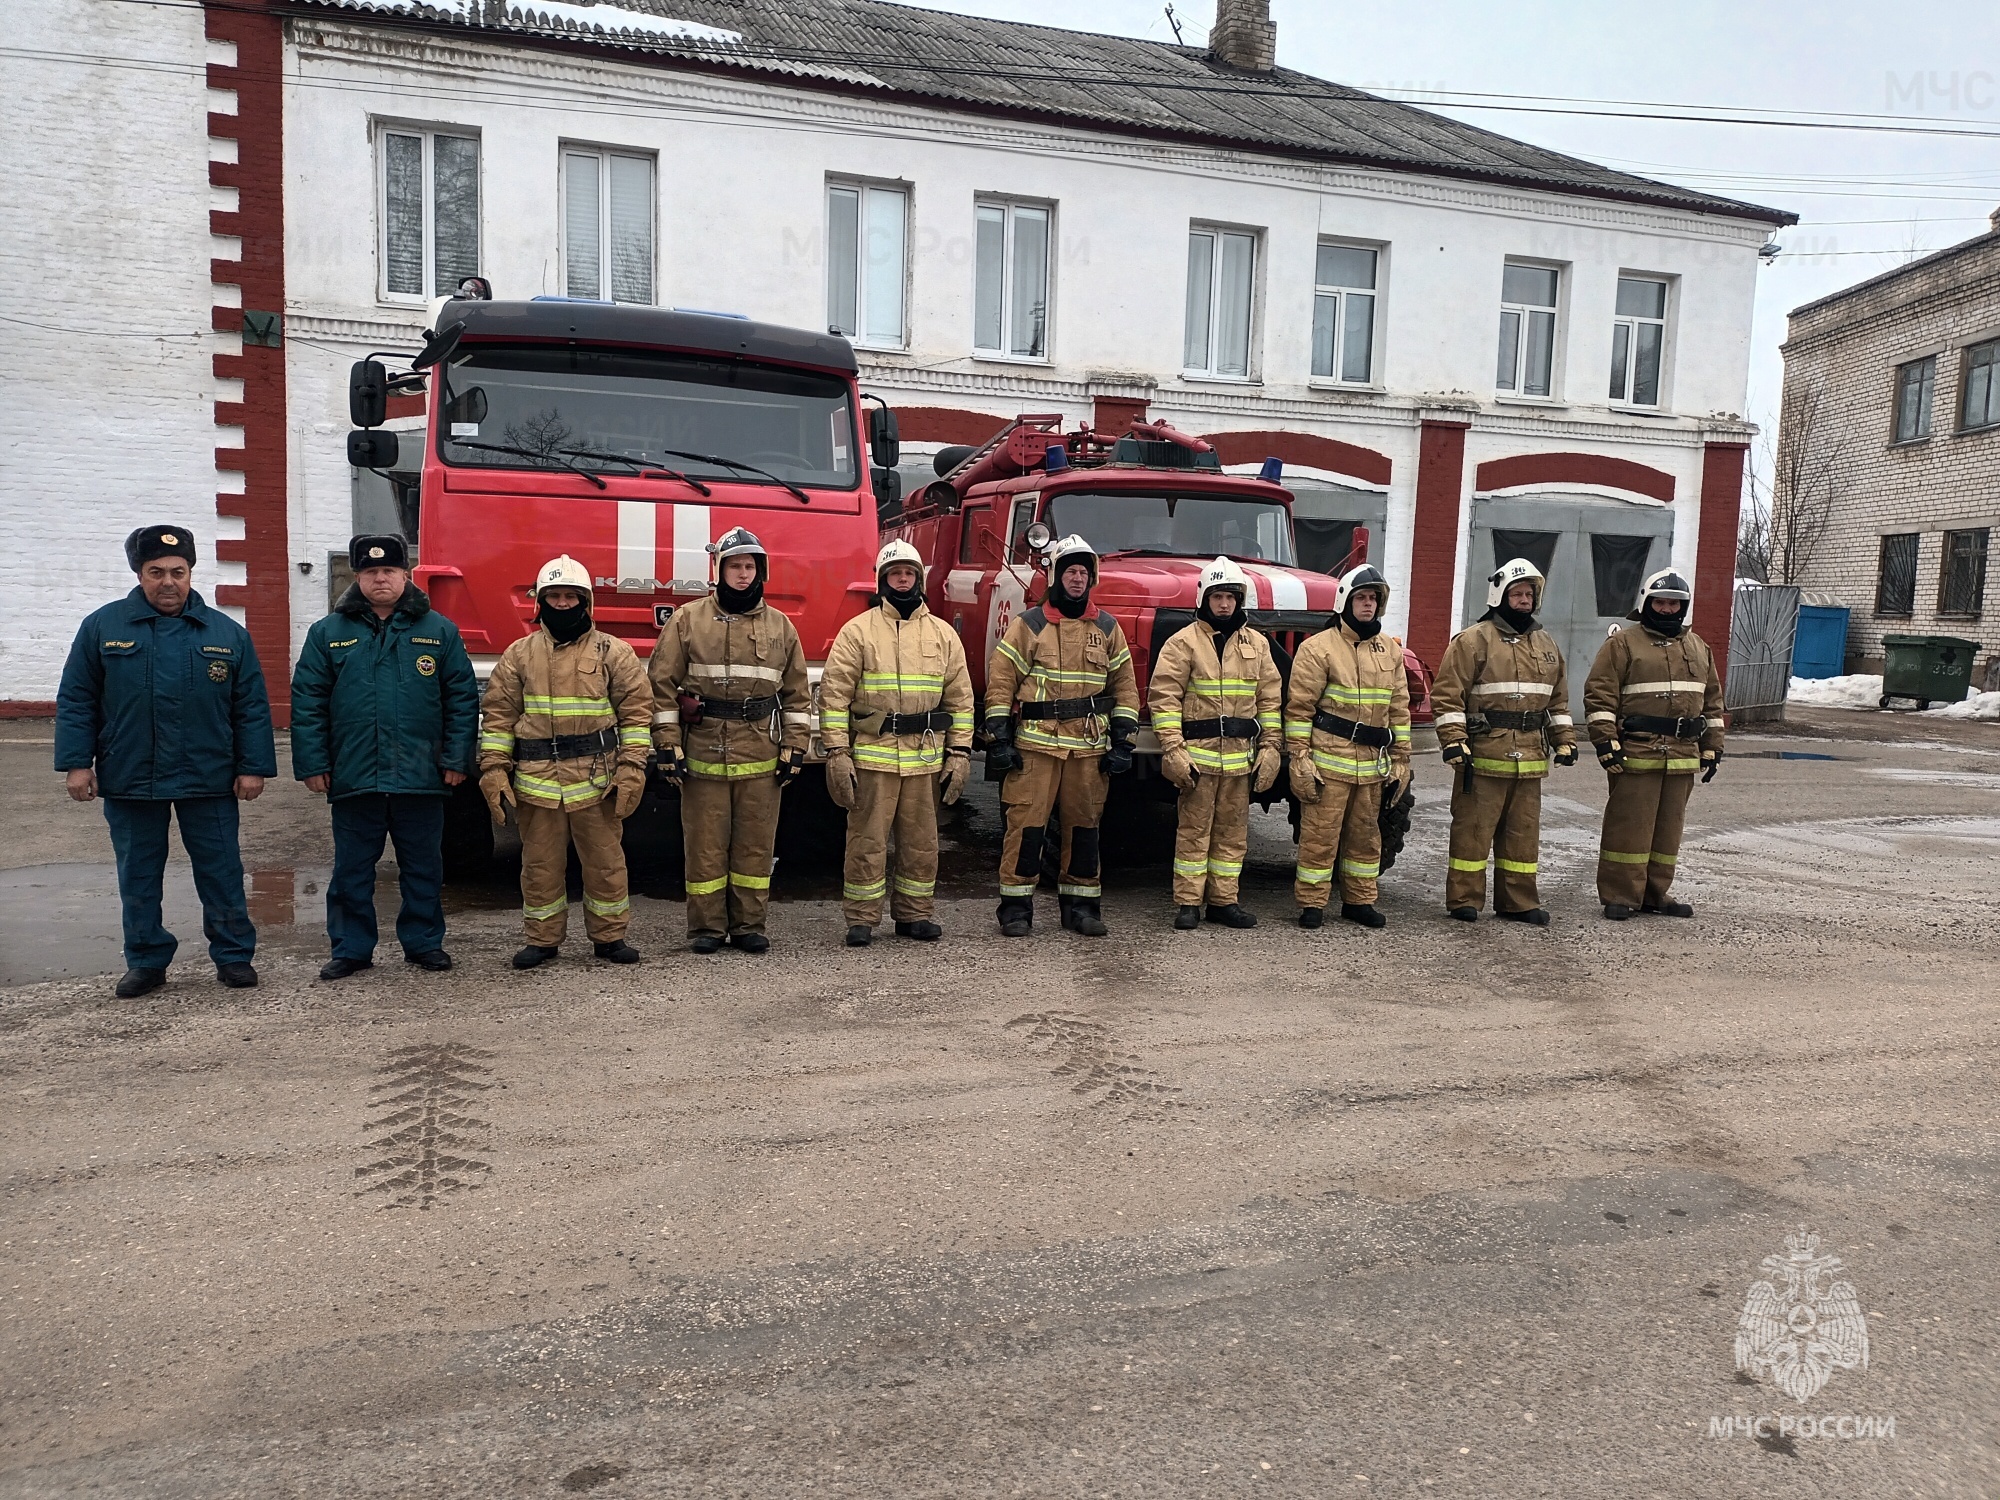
(1434, 536)
(258, 176)
(1715, 545)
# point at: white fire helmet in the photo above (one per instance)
(739, 541)
(1067, 550)
(899, 551)
(1504, 577)
(1367, 576)
(1665, 584)
(1224, 574)
(563, 572)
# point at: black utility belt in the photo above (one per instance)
(1506, 718)
(1067, 708)
(1673, 729)
(1219, 729)
(749, 710)
(924, 721)
(1347, 729)
(566, 746)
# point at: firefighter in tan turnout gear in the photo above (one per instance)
(1215, 697)
(895, 716)
(1502, 701)
(1347, 724)
(1063, 668)
(562, 740)
(1653, 708)
(730, 724)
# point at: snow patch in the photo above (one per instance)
(1858, 691)
(1977, 705)
(618, 18)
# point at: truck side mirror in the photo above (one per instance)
(888, 492)
(885, 440)
(468, 405)
(368, 393)
(372, 449)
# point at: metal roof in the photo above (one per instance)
(663, 327)
(1121, 84)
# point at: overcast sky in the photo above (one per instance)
(1924, 61)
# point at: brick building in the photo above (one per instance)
(1890, 430)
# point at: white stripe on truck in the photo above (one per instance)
(636, 520)
(1288, 591)
(690, 544)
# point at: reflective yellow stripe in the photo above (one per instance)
(749, 882)
(1055, 739)
(535, 703)
(1359, 870)
(543, 913)
(1623, 859)
(1190, 867)
(1670, 765)
(1516, 867)
(564, 792)
(504, 743)
(608, 908)
(887, 755)
(915, 887)
(1509, 767)
(1340, 693)
(706, 887)
(733, 770)
(1120, 659)
(1093, 889)
(1663, 859)
(1229, 869)
(1314, 877)
(1227, 762)
(892, 681)
(1298, 729)
(1473, 866)
(1166, 720)
(636, 735)
(1007, 650)
(872, 892)
(1018, 890)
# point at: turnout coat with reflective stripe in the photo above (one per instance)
(1083, 658)
(1337, 672)
(704, 649)
(1638, 672)
(1192, 680)
(1487, 666)
(542, 691)
(882, 661)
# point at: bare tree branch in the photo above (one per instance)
(1808, 478)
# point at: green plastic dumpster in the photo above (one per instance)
(1927, 668)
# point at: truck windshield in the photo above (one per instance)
(1175, 525)
(604, 409)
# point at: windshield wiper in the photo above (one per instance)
(639, 464)
(731, 463)
(529, 453)
(1148, 552)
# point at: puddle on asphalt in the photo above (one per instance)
(1780, 755)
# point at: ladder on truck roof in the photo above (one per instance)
(1016, 435)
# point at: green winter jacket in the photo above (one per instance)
(384, 706)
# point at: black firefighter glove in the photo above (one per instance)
(1611, 756)
(1455, 753)
(1002, 754)
(1118, 759)
(1565, 755)
(1711, 761)
(672, 765)
(790, 763)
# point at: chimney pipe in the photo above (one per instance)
(1244, 35)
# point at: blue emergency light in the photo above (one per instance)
(1056, 458)
(1272, 471)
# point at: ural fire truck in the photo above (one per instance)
(630, 438)
(1155, 504)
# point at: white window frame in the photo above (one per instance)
(1522, 311)
(1631, 323)
(1011, 208)
(864, 188)
(429, 135)
(1216, 234)
(1342, 295)
(569, 152)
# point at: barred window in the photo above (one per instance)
(1962, 574)
(1896, 577)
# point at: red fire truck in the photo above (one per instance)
(630, 438)
(1157, 507)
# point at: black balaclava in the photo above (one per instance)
(1661, 624)
(1070, 607)
(740, 601)
(1368, 630)
(1225, 627)
(903, 602)
(565, 625)
(1513, 619)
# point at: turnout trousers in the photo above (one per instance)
(208, 833)
(885, 801)
(1213, 833)
(1642, 836)
(730, 829)
(1501, 816)
(1074, 788)
(361, 826)
(546, 834)
(1342, 829)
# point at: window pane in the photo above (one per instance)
(1029, 312)
(581, 252)
(883, 267)
(1344, 265)
(1232, 322)
(1530, 286)
(1510, 349)
(989, 274)
(1641, 299)
(1906, 403)
(1896, 584)
(1326, 315)
(1200, 287)
(1540, 354)
(1621, 358)
(1962, 585)
(843, 236)
(1358, 338)
(632, 228)
(1646, 365)
(455, 214)
(1618, 567)
(403, 212)
(1982, 389)
(1538, 547)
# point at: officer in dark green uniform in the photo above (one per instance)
(385, 719)
(163, 714)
